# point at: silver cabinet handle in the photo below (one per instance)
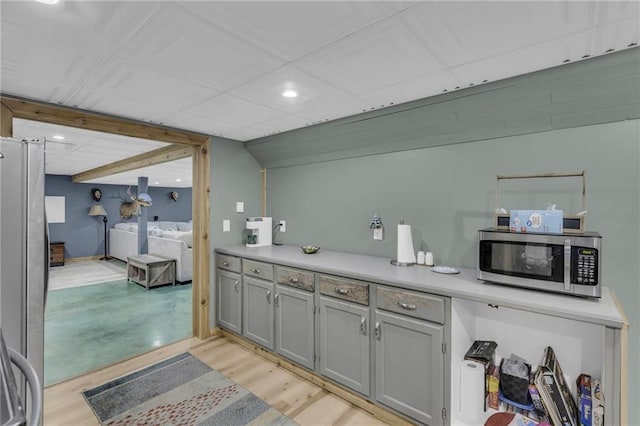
(236, 284)
(363, 326)
(407, 306)
(225, 263)
(255, 270)
(294, 280)
(342, 290)
(268, 296)
(276, 299)
(377, 332)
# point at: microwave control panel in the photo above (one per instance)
(585, 268)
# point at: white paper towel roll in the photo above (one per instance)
(471, 409)
(405, 245)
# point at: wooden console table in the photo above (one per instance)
(151, 270)
(56, 253)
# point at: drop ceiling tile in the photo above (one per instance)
(195, 50)
(244, 134)
(291, 29)
(522, 61)
(411, 90)
(232, 109)
(316, 98)
(281, 124)
(101, 23)
(196, 123)
(463, 32)
(378, 56)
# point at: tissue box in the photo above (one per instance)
(513, 388)
(536, 221)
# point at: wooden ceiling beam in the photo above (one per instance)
(72, 117)
(146, 159)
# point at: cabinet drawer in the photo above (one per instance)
(295, 278)
(257, 269)
(342, 288)
(229, 263)
(413, 304)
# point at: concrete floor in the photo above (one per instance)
(96, 325)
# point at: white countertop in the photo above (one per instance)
(379, 270)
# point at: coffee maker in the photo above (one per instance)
(259, 231)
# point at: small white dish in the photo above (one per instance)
(445, 270)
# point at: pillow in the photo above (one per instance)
(122, 226)
(186, 237)
(184, 226)
(133, 227)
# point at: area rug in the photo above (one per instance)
(180, 391)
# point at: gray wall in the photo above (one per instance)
(447, 193)
(235, 176)
(82, 234)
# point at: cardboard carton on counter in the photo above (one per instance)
(536, 221)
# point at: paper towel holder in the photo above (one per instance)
(395, 262)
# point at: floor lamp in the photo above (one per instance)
(98, 210)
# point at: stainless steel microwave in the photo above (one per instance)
(560, 263)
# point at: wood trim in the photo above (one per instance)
(6, 121)
(377, 411)
(624, 361)
(65, 116)
(146, 159)
(72, 117)
(201, 259)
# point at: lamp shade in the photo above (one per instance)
(97, 210)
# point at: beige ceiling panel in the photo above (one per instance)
(378, 56)
(291, 29)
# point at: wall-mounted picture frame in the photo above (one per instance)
(96, 194)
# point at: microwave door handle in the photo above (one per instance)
(567, 264)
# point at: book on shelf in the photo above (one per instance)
(554, 391)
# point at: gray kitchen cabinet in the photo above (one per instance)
(229, 300)
(295, 325)
(257, 313)
(409, 362)
(345, 343)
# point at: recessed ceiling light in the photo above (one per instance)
(178, 180)
(156, 183)
(290, 93)
(50, 2)
(58, 137)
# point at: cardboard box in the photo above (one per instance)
(585, 408)
(536, 221)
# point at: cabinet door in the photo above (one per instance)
(229, 300)
(409, 366)
(344, 343)
(257, 313)
(295, 325)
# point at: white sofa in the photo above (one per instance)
(170, 239)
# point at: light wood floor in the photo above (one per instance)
(302, 401)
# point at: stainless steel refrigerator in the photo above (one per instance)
(24, 253)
